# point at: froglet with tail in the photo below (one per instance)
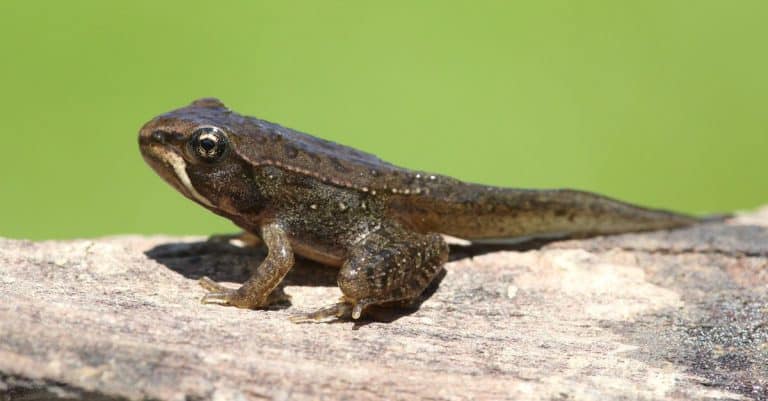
(380, 224)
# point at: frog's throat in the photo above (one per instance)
(180, 168)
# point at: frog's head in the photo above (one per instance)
(192, 149)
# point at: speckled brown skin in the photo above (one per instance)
(378, 222)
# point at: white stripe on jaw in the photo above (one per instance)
(180, 168)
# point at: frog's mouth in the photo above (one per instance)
(173, 169)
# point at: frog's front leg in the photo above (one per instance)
(262, 288)
(389, 266)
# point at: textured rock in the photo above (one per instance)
(664, 315)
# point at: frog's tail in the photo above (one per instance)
(474, 212)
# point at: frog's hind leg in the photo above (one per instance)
(390, 266)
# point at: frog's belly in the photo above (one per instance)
(323, 256)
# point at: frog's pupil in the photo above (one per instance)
(208, 144)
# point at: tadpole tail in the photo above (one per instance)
(474, 212)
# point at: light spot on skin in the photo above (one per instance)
(342, 206)
(363, 235)
(313, 206)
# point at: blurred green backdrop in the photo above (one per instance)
(663, 103)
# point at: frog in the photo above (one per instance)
(383, 226)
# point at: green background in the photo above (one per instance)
(663, 103)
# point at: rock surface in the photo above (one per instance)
(665, 315)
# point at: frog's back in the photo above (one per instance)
(266, 143)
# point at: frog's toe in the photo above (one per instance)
(232, 298)
(211, 285)
(225, 296)
(341, 310)
(221, 298)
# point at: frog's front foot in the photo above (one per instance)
(218, 294)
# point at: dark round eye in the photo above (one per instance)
(208, 143)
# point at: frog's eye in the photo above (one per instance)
(208, 143)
